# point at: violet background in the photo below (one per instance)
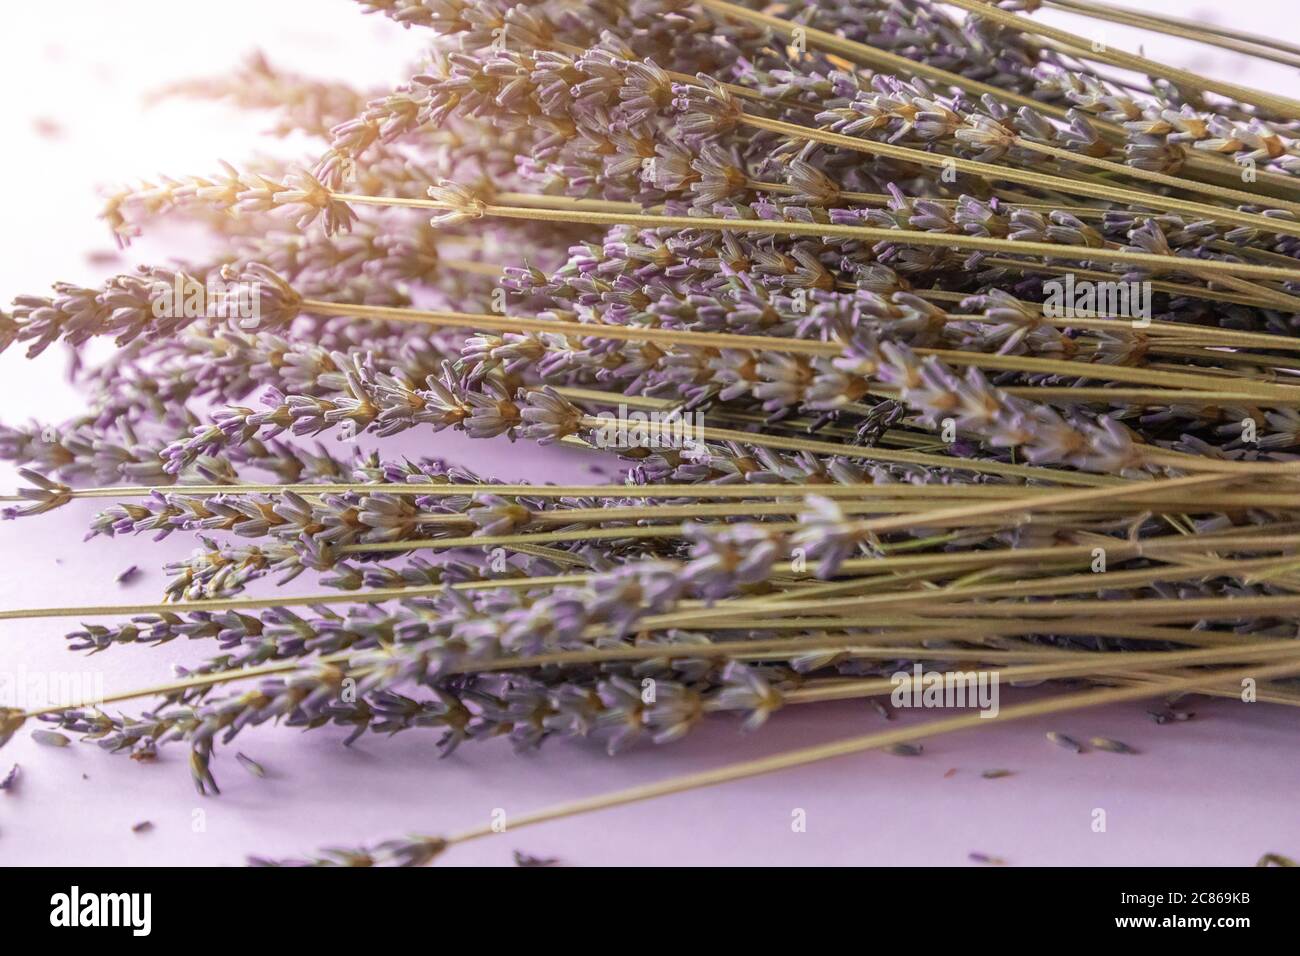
(1219, 789)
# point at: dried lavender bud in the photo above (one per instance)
(300, 196)
(10, 781)
(525, 859)
(50, 738)
(251, 765)
(904, 750)
(408, 851)
(47, 495)
(1061, 740)
(1111, 746)
(1169, 715)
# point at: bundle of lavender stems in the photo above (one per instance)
(829, 283)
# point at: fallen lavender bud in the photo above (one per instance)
(1111, 746)
(527, 860)
(1061, 740)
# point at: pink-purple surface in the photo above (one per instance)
(1219, 789)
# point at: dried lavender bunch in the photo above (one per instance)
(840, 251)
